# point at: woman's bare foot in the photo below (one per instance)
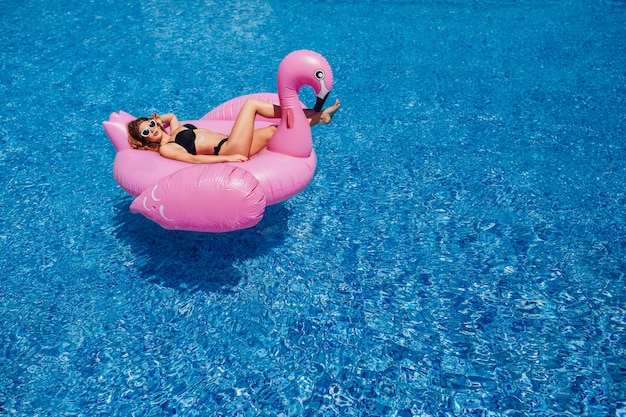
(329, 112)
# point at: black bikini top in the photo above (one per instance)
(187, 138)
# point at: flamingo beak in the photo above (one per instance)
(319, 101)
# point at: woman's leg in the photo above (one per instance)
(243, 136)
(260, 138)
(246, 141)
(324, 116)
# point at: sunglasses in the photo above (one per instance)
(151, 125)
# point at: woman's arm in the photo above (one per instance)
(169, 118)
(177, 152)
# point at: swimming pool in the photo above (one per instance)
(460, 251)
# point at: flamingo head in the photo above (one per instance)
(301, 68)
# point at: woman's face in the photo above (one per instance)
(150, 131)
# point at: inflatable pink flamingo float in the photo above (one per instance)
(227, 196)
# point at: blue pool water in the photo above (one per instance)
(461, 250)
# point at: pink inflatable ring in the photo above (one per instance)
(224, 197)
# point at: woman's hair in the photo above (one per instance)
(136, 140)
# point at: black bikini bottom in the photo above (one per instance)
(216, 150)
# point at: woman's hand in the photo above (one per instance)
(158, 119)
(167, 119)
(236, 158)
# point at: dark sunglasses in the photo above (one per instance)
(151, 125)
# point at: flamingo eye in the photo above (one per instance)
(319, 74)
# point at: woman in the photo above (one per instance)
(202, 146)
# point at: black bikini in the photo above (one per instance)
(216, 150)
(187, 139)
